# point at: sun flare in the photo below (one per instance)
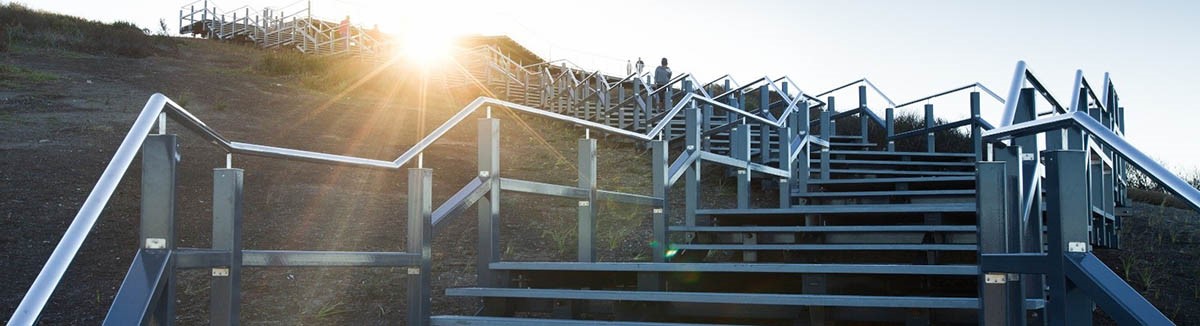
(426, 48)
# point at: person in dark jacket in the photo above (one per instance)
(662, 76)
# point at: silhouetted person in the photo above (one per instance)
(662, 76)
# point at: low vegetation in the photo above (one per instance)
(22, 26)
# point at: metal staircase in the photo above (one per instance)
(867, 223)
(287, 27)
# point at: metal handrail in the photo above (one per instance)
(47, 280)
(951, 91)
(1021, 75)
(856, 82)
(1173, 183)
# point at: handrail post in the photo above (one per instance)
(160, 158)
(890, 116)
(706, 125)
(739, 146)
(1025, 109)
(1067, 219)
(863, 129)
(800, 177)
(764, 132)
(225, 301)
(826, 134)
(930, 145)
(489, 206)
(692, 174)
(785, 163)
(991, 200)
(587, 209)
(1014, 228)
(420, 232)
(976, 128)
(660, 167)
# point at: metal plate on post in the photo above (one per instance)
(156, 243)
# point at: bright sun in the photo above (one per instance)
(426, 48)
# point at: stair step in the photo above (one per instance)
(827, 228)
(516, 321)
(892, 180)
(845, 137)
(826, 300)
(898, 172)
(893, 193)
(894, 154)
(844, 209)
(890, 269)
(850, 144)
(831, 247)
(893, 162)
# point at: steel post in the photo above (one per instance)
(225, 299)
(692, 174)
(660, 167)
(420, 232)
(489, 206)
(586, 209)
(764, 132)
(863, 129)
(1014, 226)
(1068, 213)
(930, 141)
(160, 157)
(976, 128)
(739, 145)
(890, 115)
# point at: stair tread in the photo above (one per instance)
(742, 268)
(895, 162)
(935, 154)
(899, 172)
(844, 209)
(827, 300)
(939, 192)
(893, 180)
(832, 247)
(517, 321)
(827, 228)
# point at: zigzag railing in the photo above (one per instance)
(140, 298)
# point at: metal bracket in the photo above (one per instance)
(741, 171)
(220, 271)
(414, 271)
(995, 278)
(691, 147)
(156, 243)
(1027, 156)
(584, 203)
(484, 174)
(1077, 246)
(657, 211)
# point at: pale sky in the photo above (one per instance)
(909, 49)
